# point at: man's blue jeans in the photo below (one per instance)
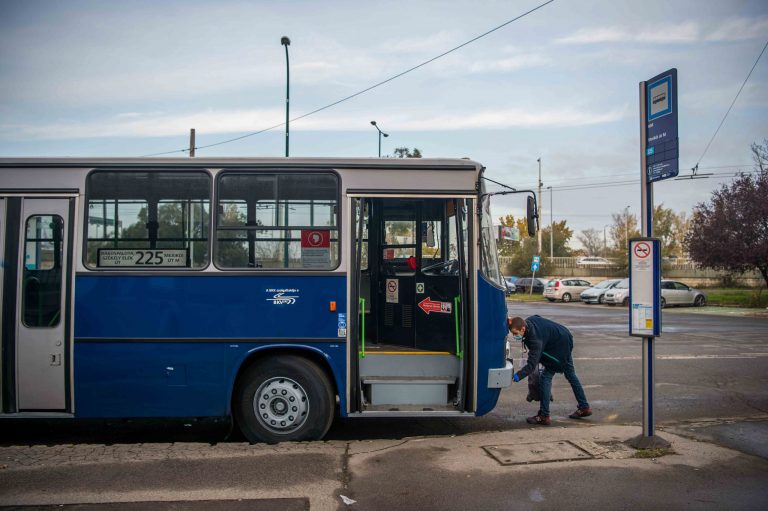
(546, 386)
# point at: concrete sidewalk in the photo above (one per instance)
(478, 471)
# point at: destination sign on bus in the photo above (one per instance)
(142, 258)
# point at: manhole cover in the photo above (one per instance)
(541, 452)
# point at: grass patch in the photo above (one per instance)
(525, 297)
(737, 297)
(653, 453)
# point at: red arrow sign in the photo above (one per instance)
(427, 305)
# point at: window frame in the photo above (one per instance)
(150, 169)
(62, 271)
(275, 171)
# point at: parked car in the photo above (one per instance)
(510, 283)
(593, 261)
(565, 289)
(677, 293)
(618, 294)
(524, 285)
(596, 293)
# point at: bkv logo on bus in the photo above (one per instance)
(280, 298)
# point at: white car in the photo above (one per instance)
(596, 293)
(672, 293)
(677, 293)
(618, 294)
(565, 289)
(593, 261)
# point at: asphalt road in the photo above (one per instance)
(709, 366)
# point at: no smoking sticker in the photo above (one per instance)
(642, 250)
(393, 295)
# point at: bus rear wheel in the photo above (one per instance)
(284, 399)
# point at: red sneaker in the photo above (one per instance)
(541, 420)
(580, 413)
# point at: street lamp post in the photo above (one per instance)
(626, 226)
(381, 133)
(538, 218)
(551, 225)
(286, 42)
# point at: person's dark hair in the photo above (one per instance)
(517, 323)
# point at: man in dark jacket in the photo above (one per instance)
(550, 344)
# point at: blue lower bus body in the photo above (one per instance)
(172, 346)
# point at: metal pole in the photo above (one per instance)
(647, 439)
(381, 133)
(626, 226)
(551, 225)
(539, 205)
(287, 42)
(192, 143)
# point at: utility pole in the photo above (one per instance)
(626, 226)
(539, 209)
(551, 225)
(192, 143)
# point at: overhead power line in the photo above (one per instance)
(368, 89)
(730, 107)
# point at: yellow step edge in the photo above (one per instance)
(408, 353)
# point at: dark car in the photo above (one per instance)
(524, 285)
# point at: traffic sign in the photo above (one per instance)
(536, 259)
(534, 266)
(660, 104)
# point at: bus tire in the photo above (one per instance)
(284, 399)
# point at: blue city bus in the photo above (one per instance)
(275, 292)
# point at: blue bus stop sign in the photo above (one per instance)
(661, 150)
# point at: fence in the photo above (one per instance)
(679, 269)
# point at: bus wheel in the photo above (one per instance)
(284, 399)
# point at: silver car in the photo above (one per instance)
(618, 294)
(677, 293)
(596, 293)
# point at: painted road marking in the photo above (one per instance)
(680, 357)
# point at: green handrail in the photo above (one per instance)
(456, 301)
(362, 326)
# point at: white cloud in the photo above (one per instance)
(595, 36)
(734, 29)
(738, 29)
(157, 124)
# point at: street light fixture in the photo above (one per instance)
(381, 133)
(286, 42)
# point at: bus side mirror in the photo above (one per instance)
(531, 217)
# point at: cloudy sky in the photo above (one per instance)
(109, 78)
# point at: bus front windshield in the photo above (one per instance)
(489, 254)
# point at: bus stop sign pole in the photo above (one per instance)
(659, 160)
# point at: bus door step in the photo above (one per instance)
(398, 390)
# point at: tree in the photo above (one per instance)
(592, 239)
(670, 228)
(404, 152)
(623, 229)
(561, 236)
(730, 231)
(522, 252)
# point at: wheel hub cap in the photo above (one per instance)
(281, 405)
